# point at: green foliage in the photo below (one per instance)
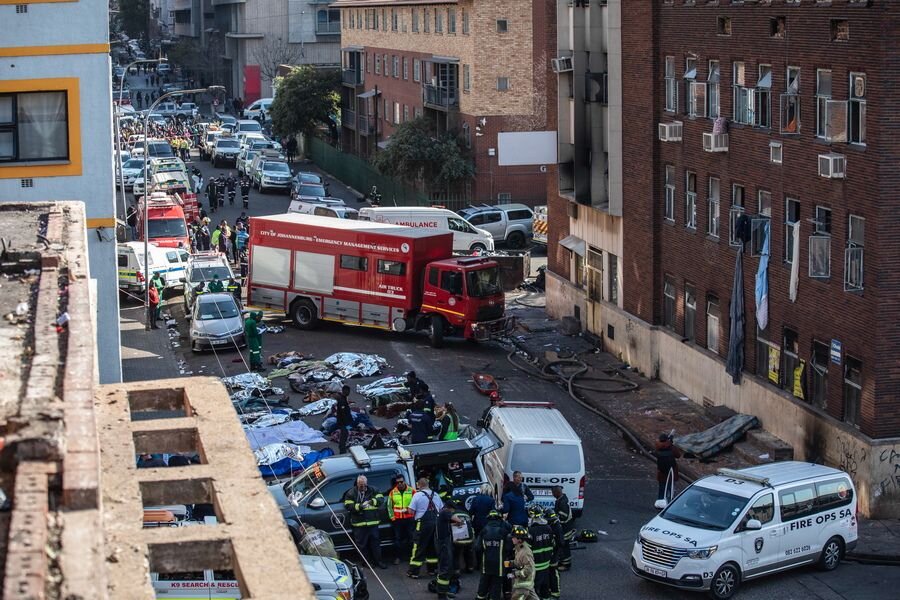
(134, 17)
(305, 97)
(416, 153)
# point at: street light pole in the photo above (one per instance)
(118, 129)
(146, 212)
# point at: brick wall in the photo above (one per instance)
(655, 248)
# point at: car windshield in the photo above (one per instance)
(163, 228)
(277, 167)
(309, 178)
(254, 126)
(199, 274)
(227, 144)
(706, 508)
(312, 190)
(160, 149)
(306, 482)
(483, 282)
(220, 309)
(546, 458)
(134, 163)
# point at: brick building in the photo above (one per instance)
(480, 70)
(773, 119)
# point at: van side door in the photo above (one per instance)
(797, 505)
(760, 548)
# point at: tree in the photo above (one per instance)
(306, 97)
(135, 17)
(416, 154)
(272, 53)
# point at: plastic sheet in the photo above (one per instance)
(295, 432)
(317, 408)
(385, 391)
(352, 364)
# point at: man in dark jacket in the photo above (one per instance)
(481, 507)
(427, 399)
(666, 455)
(492, 547)
(567, 523)
(365, 506)
(344, 417)
(444, 533)
(421, 424)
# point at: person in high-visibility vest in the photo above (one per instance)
(449, 423)
(402, 522)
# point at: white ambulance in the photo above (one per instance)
(466, 237)
(738, 525)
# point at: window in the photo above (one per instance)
(823, 95)
(467, 135)
(669, 303)
(594, 274)
(690, 201)
(697, 99)
(790, 360)
(387, 112)
(396, 73)
(856, 111)
(790, 103)
(433, 276)
(438, 21)
(415, 20)
(354, 263)
(670, 194)
(765, 203)
(503, 84)
(34, 126)
(690, 76)
(396, 113)
(797, 502)
(671, 85)
(391, 267)
(502, 25)
(853, 255)
(762, 96)
(465, 21)
(712, 324)
(690, 312)
(467, 78)
(426, 20)
(613, 274)
(734, 215)
(818, 374)
(820, 245)
(833, 493)
(840, 30)
(712, 208)
(791, 217)
(405, 113)
(743, 96)
(451, 20)
(723, 25)
(578, 271)
(852, 389)
(452, 281)
(405, 67)
(759, 233)
(763, 510)
(368, 62)
(768, 359)
(712, 90)
(417, 70)
(384, 21)
(777, 26)
(395, 20)
(776, 153)
(378, 64)
(328, 21)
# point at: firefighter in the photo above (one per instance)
(230, 184)
(364, 506)
(245, 191)
(542, 547)
(447, 571)
(212, 192)
(425, 506)
(553, 521)
(522, 566)
(463, 547)
(567, 521)
(421, 424)
(235, 288)
(398, 501)
(491, 550)
(254, 340)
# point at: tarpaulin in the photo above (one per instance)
(288, 460)
(295, 432)
(385, 390)
(317, 408)
(352, 364)
(718, 437)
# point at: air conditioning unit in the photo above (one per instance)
(715, 142)
(671, 132)
(833, 166)
(561, 64)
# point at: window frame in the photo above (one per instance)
(713, 316)
(735, 212)
(789, 228)
(671, 86)
(858, 104)
(690, 200)
(690, 312)
(361, 263)
(713, 218)
(713, 90)
(851, 387)
(822, 99)
(669, 316)
(762, 98)
(669, 202)
(382, 269)
(854, 254)
(417, 70)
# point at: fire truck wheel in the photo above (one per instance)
(304, 314)
(436, 331)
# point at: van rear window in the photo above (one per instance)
(546, 458)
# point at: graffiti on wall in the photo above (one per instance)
(851, 456)
(888, 469)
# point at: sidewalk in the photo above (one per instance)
(656, 408)
(146, 355)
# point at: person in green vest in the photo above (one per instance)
(254, 340)
(160, 285)
(215, 285)
(449, 423)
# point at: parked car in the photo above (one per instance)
(216, 323)
(307, 177)
(308, 205)
(307, 191)
(245, 159)
(509, 223)
(208, 143)
(225, 151)
(159, 149)
(163, 68)
(248, 125)
(131, 170)
(167, 109)
(273, 174)
(188, 109)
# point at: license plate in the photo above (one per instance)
(218, 342)
(540, 492)
(657, 572)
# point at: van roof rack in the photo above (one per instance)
(734, 474)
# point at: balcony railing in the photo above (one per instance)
(440, 97)
(331, 28)
(367, 125)
(352, 76)
(348, 118)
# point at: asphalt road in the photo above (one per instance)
(621, 486)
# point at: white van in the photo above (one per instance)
(466, 238)
(133, 276)
(742, 524)
(308, 205)
(538, 441)
(259, 109)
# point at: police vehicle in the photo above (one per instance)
(201, 269)
(742, 524)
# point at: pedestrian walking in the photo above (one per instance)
(254, 340)
(523, 566)
(402, 523)
(153, 296)
(344, 418)
(491, 551)
(444, 537)
(567, 522)
(425, 506)
(666, 466)
(364, 507)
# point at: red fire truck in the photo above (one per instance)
(166, 224)
(372, 274)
